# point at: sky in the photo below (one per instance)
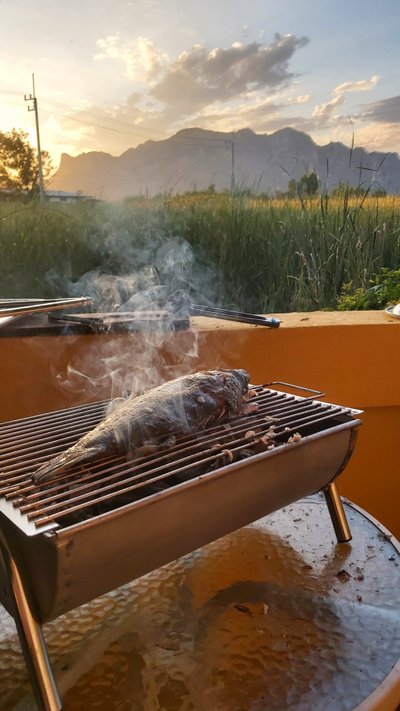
(112, 74)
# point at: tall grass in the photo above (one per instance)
(290, 255)
(263, 255)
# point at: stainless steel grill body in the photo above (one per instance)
(161, 505)
(94, 530)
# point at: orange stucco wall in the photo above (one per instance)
(352, 357)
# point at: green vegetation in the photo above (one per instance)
(384, 291)
(258, 254)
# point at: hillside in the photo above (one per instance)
(194, 159)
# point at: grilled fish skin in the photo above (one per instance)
(179, 406)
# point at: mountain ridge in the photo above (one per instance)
(196, 158)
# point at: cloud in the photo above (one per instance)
(324, 112)
(378, 125)
(142, 60)
(225, 89)
(384, 111)
(362, 85)
(385, 139)
(299, 99)
(221, 88)
(367, 136)
(258, 114)
(201, 77)
(325, 115)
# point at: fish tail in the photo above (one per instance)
(58, 465)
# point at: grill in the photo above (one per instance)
(91, 530)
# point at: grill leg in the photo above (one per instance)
(337, 514)
(32, 641)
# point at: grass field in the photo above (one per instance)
(242, 252)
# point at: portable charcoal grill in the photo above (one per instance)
(88, 532)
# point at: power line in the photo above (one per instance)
(100, 117)
(130, 132)
(118, 126)
(182, 140)
(9, 91)
(113, 120)
(10, 103)
(116, 123)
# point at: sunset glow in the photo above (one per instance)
(112, 74)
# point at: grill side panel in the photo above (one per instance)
(104, 553)
(37, 559)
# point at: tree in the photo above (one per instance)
(292, 188)
(19, 170)
(312, 184)
(307, 186)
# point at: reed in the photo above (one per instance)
(264, 255)
(289, 255)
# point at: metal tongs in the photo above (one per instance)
(22, 307)
(216, 312)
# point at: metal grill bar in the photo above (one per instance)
(31, 462)
(113, 481)
(31, 437)
(29, 423)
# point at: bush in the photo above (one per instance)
(384, 291)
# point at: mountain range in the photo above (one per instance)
(195, 159)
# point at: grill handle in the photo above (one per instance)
(315, 393)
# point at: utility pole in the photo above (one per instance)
(230, 142)
(32, 97)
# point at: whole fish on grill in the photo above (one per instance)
(181, 406)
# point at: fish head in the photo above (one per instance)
(236, 385)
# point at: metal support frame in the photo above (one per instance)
(30, 631)
(31, 638)
(337, 514)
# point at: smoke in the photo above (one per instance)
(161, 274)
(150, 295)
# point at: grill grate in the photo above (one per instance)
(90, 490)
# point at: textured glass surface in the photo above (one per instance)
(275, 616)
